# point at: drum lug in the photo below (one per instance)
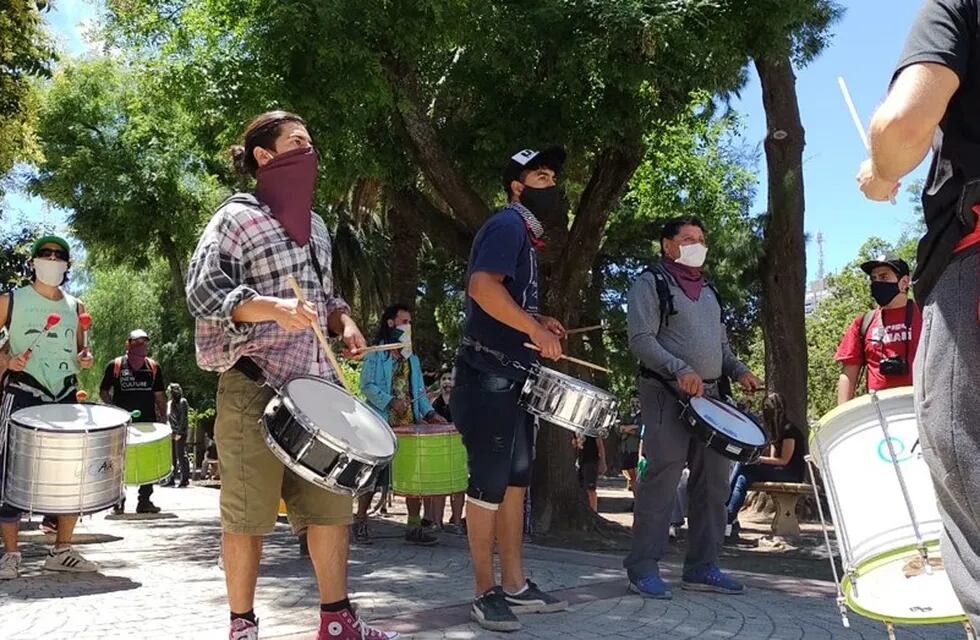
(842, 608)
(890, 628)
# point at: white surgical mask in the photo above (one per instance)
(693, 255)
(405, 339)
(50, 272)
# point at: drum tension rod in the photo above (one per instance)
(891, 630)
(970, 635)
(841, 603)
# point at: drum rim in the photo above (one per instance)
(690, 410)
(882, 559)
(129, 419)
(854, 404)
(591, 388)
(165, 433)
(325, 436)
(404, 431)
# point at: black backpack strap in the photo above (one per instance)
(10, 309)
(664, 296)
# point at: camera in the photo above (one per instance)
(894, 366)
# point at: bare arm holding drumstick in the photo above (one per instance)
(488, 291)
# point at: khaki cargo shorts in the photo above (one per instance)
(252, 478)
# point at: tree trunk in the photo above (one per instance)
(557, 500)
(406, 240)
(784, 258)
(177, 274)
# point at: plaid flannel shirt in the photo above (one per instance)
(245, 252)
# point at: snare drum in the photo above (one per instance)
(65, 458)
(568, 402)
(327, 436)
(722, 427)
(885, 577)
(431, 461)
(148, 452)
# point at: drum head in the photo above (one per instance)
(71, 418)
(896, 588)
(328, 409)
(143, 432)
(728, 420)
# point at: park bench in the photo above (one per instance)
(785, 495)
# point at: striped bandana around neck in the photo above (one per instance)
(534, 226)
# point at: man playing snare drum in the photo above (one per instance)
(501, 315)
(934, 102)
(41, 370)
(676, 331)
(252, 329)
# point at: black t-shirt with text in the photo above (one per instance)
(134, 390)
(945, 33)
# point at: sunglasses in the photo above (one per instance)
(52, 253)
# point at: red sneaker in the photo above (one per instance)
(347, 625)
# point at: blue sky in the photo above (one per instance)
(864, 51)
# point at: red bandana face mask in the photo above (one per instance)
(286, 185)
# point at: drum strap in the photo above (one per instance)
(477, 346)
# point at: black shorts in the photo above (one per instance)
(630, 459)
(588, 475)
(497, 433)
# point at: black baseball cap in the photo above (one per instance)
(552, 157)
(890, 260)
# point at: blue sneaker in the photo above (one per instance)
(650, 586)
(710, 578)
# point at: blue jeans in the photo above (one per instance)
(745, 474)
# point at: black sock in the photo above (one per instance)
(336, 607)
(248, 615)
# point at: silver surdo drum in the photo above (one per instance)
(327, 436)
(65, 458)
(568, 402)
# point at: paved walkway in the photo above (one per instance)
(160, 580)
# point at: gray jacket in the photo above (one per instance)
(693, 340)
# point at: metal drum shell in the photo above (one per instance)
(60, 473)
(568, 402)
(312, 454)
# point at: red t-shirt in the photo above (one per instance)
(880, 343)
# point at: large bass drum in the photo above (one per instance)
(65, 458)
(327, 436)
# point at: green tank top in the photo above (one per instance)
(55, 356)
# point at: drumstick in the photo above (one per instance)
(584, 363)
(572, 332)
(322, 338)
(85, 321)
(381, 347)
(854, 116)
(53, 319)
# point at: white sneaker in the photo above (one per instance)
(672, 532)
(69, 560)
(10, 565)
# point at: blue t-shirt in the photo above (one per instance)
(502, 246)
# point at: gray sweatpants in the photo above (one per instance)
(946, 373)
(668, 445)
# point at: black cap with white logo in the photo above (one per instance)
(890, 260)
(552, 157)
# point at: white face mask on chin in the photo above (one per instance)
(693, 255)
(405, 339)
(50, 272)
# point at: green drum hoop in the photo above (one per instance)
(882, 562)
(430, 461)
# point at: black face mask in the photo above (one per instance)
(543, 203)
(884, 292)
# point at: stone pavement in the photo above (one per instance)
(160, 579)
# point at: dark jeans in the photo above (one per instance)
(180, 463)
(745, 474)
(498, 434)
